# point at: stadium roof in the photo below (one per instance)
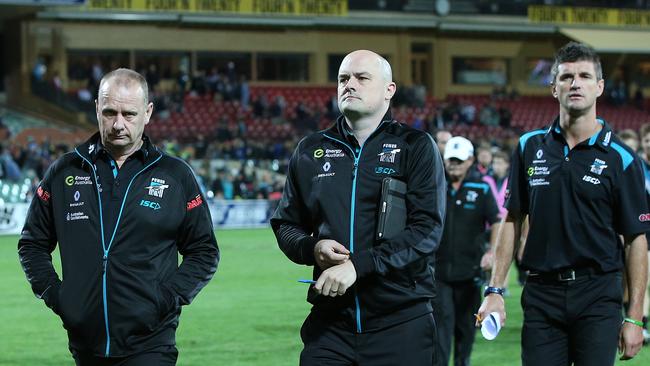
(611, 41)
(354, 19)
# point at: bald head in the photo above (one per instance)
(365, 85)
(369, 56)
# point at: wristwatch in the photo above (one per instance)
(493, 290)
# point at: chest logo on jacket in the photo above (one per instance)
(326, 169)
(598, 166)
(77, 180)
(471, 196)
(157, 187)
(76, 203)
(388, 153)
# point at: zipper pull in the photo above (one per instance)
(354, 169)
(104, 260)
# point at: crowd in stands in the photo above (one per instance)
(216, 114)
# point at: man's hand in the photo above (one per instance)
(487, 260)
(329, 253)
(335, 280)
(630, 340)
(492, 303)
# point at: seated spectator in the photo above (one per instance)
(504, 117)
(488, 116)
(467, 112)
(223, 132)
(261, 106)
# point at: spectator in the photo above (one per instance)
(488, 116)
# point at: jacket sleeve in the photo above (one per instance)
(37, 242)
(425, 206)
(197, 244)
(290, 222)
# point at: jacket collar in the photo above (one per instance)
(93, 148)
(342, 128)
(601, 139)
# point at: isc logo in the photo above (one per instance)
(591, 180)
(152, 205)
(382, 170)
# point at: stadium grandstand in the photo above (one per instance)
(237, 83)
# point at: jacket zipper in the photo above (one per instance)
(105, 248)
(352, 212)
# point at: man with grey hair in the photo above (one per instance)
(120, 211)
(371, 294)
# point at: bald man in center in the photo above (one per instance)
(371, 294)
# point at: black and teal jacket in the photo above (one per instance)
(333, 191)
(120, 292)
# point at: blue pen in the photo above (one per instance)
(307, 281)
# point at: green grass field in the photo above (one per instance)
(250, 313)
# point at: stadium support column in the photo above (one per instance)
(318, 68)
(59, 56)
(16, 64)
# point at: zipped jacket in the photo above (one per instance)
(470, 210)
(122, 295)
(333, 191)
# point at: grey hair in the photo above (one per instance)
(125, 76)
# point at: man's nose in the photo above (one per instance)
(352, 84)
(118, 124)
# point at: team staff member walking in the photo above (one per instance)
(120, 211)
(581, 187)
(470, 206)
(371, 299)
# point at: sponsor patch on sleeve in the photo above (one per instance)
(43, 194)
(644, 217)
(196, 202)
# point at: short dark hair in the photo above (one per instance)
(574, 51)
(628, 134)
(500, 154)
(126, 76)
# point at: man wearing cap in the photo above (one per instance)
(470, 205)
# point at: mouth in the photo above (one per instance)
(350, 97)
(575, 96)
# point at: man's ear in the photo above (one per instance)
(554, 90)
(390, 90)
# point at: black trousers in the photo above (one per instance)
(575, 322)
(160, 356)
(335, 344)
(454, 310)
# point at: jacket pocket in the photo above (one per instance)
(165, 301)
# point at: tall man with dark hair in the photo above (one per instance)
(372, 296)
(120, 211)
(581, 188)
